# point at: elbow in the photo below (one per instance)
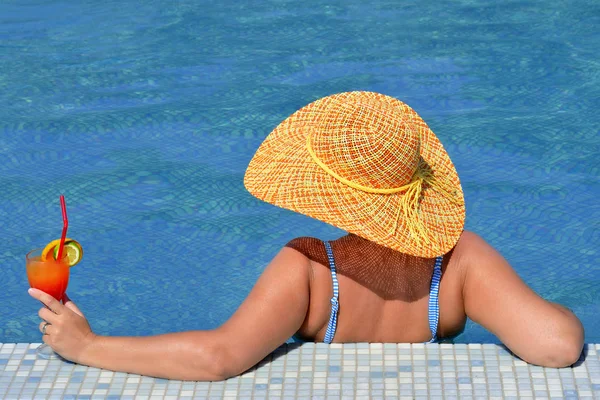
(220, 365)
(209, 362)
(564, 350)
(224, 366)
(564, 354)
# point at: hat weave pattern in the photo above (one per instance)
(365, 163)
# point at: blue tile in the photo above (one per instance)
(596, 386)
(334, 368)
(260, 386)
(464, 380)
(405, 368)
(83, 397)
(433, 363)
(3, 361)
(69, 397)
(27, 362)
(113, 397)
(78, 373)
(102, 386)
(376, 374)
(160, 381)
(276, 380)
(76, 379)
(477, 363)
(391, 374)
(33, 379)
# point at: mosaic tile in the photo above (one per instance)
(319, 371)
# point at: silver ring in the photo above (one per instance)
(44, 327)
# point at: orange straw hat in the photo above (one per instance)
(365, 163)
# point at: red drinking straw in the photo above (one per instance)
(63, 206)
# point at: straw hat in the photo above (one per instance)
(365, 163)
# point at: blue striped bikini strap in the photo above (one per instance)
(331, 326)
(434, 307)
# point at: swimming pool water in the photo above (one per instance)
(145, 115)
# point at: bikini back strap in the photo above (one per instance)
(434, 307)
(331, 326)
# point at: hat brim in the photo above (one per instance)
(283, 173)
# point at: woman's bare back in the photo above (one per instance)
(383, 294)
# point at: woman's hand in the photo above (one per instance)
(66, 329)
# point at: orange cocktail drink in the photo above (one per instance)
(48, 275)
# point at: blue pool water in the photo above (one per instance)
(145, 115)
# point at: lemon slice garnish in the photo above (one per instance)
(72, 251)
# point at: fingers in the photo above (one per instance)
(46, 299)
(47, 325)
(47, 315)
(71, 306)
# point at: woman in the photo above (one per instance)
(407, 272)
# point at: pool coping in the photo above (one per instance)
(318, 370)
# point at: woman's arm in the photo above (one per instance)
(193, 355)
(273, 311)
(536, 330)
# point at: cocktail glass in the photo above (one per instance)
(50, 276)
